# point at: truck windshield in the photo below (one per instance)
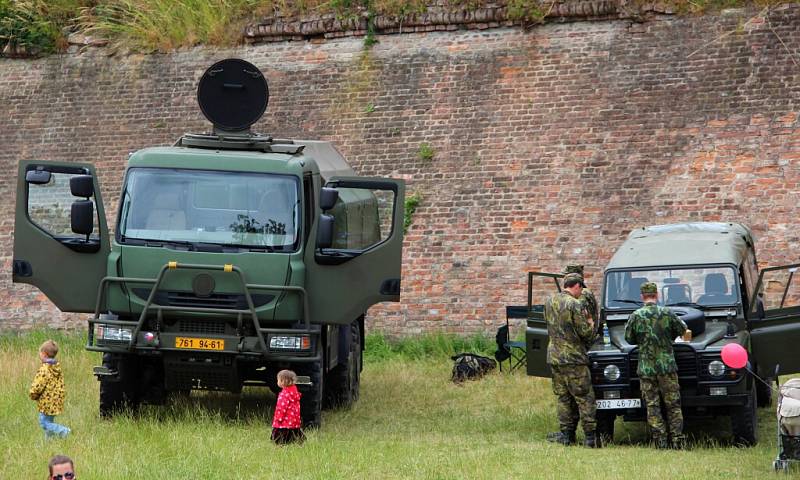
(698, 287)
(210, 207)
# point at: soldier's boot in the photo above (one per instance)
(679, 442)
(564, 437)
(661, 442)
(592, 440)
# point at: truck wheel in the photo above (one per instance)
(605, 425)
(744, 422)
(119, 394)
(764, 393)
(311, 399)
(344, 381)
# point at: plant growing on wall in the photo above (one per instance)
(411, 204)
(426, 152)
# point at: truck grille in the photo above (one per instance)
(201, 326)
(232, 301)
(685, 357)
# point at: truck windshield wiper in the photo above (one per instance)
(625, 300)
(684, 304)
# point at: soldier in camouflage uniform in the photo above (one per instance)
(571, 333)
(587, 298)
(653, 329)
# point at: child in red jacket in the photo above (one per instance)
(286, 423)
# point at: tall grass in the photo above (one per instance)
(163, 25)
(410, 422)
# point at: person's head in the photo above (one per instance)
(49, 349)
(286, 378)
(61, 468)
(649, 292)
(573, 284)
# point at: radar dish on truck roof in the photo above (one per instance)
(233, 94)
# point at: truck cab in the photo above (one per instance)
(235, 255)
(708, 275)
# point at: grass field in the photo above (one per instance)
(411, 422)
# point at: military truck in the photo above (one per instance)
(708, 275)
(235, 255)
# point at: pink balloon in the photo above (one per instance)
(734, 355)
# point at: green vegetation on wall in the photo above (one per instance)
(41, 26)
(411, 204)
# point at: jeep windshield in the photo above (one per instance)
(691, 287)
(189, 208)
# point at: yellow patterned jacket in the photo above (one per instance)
(48, 389)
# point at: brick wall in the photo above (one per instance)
(551, 143)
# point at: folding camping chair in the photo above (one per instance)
(507, 349)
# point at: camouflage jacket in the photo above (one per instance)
(48, 389)
(653, 329)
(589, 303)
(569, 331)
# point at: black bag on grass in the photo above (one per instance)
(470, 366)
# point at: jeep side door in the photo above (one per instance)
(361, 264)
(775, 321)
(540, 286)
(53, 249)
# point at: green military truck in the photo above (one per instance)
(708, 274)
(234, 255)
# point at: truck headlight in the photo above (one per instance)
(290, 342)
(111, 333)
(716, 368)
(611, 373)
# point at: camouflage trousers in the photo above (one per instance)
(654, 390)
(572, 385)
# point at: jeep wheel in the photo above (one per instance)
(344, 381)
(311, 400)
(744, 422)
(119, 394)
(605, 425)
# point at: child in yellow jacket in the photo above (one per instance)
(48, 391)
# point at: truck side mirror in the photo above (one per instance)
(327, 198)
(82, 217)
(81, 186)
(37, 177)
(325, 231)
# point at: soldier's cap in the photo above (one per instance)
(574, 276)
(574, 269)
(649, 288)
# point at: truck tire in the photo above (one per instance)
(744, 422)
(120, 394)
(605, 425)
(764, 392)
(311, 400)
(344, 381)
(693, 318)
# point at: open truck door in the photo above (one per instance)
(61, 240)
(540, 286)
(775, 321)
(358, 254)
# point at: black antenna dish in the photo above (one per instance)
(233, 94)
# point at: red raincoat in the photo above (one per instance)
(287, 411)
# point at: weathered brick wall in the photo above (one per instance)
(551, 143)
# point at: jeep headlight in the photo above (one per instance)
(716, 368)
(111, 333)
(611, 373)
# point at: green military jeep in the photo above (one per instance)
(235, 255)
(708, 274)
